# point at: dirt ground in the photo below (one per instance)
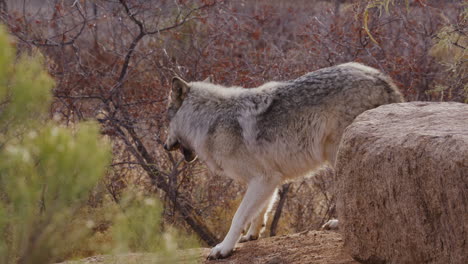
(317, 247)
(314, 247)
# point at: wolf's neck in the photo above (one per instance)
(217, 92)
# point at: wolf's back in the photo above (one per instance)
(324, 101)
(350, 84)
(394, 95)
(343, 78)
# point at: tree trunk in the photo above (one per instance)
(279, 209)
(180, 204)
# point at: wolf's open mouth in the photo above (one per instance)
(189, 155)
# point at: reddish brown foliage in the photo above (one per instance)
(113, 60)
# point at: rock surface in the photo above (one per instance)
(402, 175)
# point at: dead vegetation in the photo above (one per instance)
(112, 60)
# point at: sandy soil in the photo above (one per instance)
(317, 247)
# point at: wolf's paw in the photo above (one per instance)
(248, 238)
(332, 224)
(220, 251)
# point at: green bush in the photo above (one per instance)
(138, 228)
(47, 172)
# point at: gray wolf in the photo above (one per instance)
(266, 135)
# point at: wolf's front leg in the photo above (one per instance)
(255, 199)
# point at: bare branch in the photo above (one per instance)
(142, 34)
(279, 209)
(184, 208)
(133, 16)
(183, 21)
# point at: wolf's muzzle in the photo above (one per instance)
(189, 155)
(171, 147)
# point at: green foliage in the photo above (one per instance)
(6, 59)
(381, 5)
(450, 50)
(135, 226)
(137, 216)
(47, 173)
(128, 231)
(45, 178)
(24, 85)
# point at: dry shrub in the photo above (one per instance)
(104, 69)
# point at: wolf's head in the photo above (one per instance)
(179, 92)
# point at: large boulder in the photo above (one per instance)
(402, 176)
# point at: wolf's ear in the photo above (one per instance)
(179, 91)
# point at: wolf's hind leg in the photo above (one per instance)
(257, 196)
(257, 225)
(332, 224)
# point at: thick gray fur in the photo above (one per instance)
(266, 135)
